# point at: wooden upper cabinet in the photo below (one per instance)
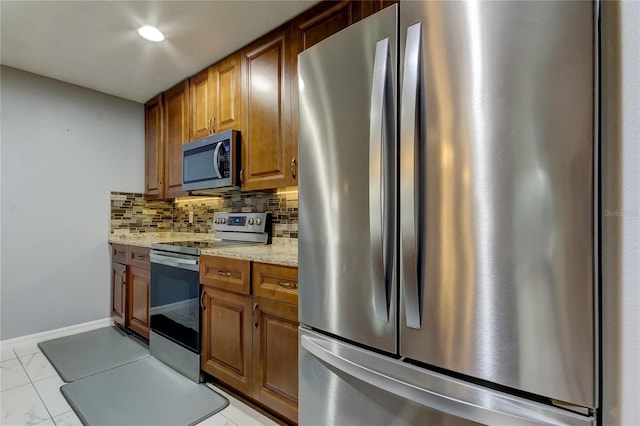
(226, 85)
(216, 97)
(176, 133)
(363, 8)
(319, 22)
(153, 147)
(267, 153)
(201, 108)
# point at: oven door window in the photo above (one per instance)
(175, 305)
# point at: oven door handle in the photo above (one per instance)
(178, 262)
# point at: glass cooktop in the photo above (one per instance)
(194, 247)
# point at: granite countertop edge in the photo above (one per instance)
(283, 251)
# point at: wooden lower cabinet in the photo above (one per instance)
(138, 286)
(275, 356)
(130, 287)
(226, 337)
(118, 292)
(250, 341)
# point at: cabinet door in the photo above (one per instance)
(275, 356)
(201, 105)
(266, 136)
(118, 292)
(138, 281)
(227, 94)
(176, 125)
(226, 337)
(153, 165)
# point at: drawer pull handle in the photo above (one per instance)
(224, 273)
(253, 315)
(287, 285)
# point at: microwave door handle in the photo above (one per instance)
(409, 168)
(380, 179)
(216, 160)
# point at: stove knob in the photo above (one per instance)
(250, 221)
(216, 220)
(258, 221)
(223, 220)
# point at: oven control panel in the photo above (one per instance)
(242, 222)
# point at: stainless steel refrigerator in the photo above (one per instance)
(448, 241)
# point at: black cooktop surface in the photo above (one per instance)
(203, 244)
(194, 247)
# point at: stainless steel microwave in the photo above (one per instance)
(211, 162)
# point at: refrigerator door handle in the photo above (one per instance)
(409, 168)
(380, 178)
(436, 391)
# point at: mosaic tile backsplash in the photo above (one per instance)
(131, 213)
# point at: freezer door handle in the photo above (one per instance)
(434, 390)
(409, 172)
(381, 179)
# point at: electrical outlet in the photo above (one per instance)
(190, 217)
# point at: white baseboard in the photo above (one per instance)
(54, 334)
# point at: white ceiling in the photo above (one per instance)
(95, 44)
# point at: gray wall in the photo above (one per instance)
(63, 149)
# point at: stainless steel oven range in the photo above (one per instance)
(175, 288)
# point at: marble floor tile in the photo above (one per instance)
(7, 354)
(12, 374)
(22, 406)
(217, 419)
(47, 422)
(49, 391)
(26, 348)
(67, 419)
(245, 416)
(241, 413)
(37, 366)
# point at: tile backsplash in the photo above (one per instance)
(131, 213)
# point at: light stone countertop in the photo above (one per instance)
(282, 251)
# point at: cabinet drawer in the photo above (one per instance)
(276, 282)
(139, 257)
(119, 253)
(226, 274)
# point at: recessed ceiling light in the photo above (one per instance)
(151, 33)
